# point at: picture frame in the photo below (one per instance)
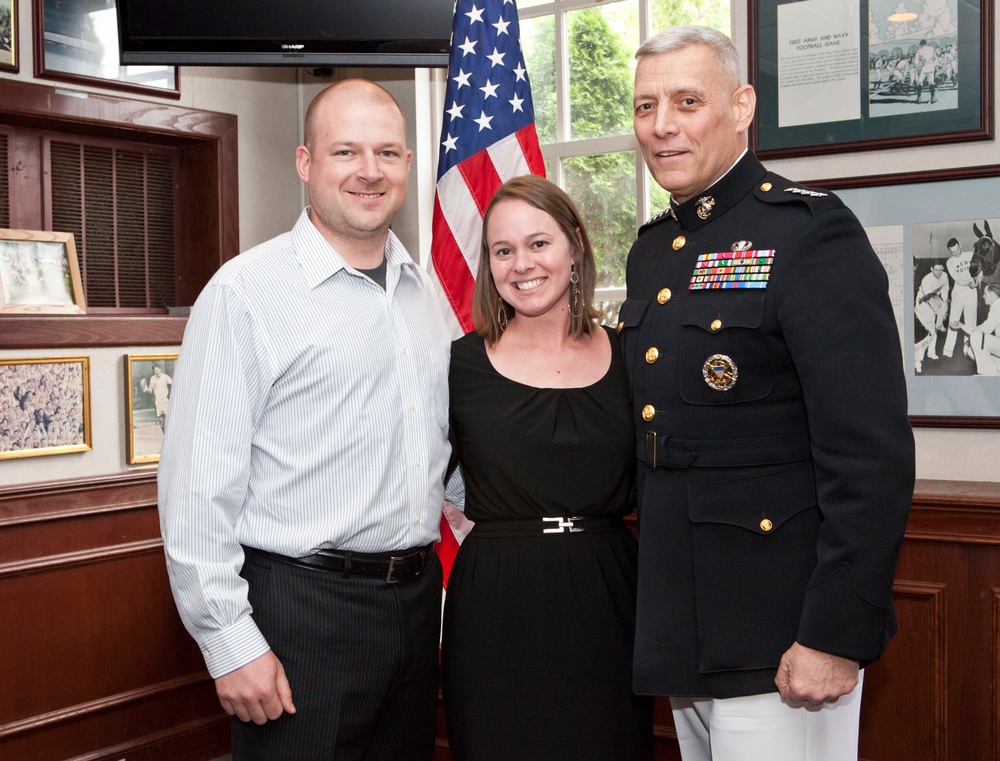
(78, 43)
(8, 36)
(148, 381)
(39, 273)
(839, 75)
(910, 235)
(44, 406)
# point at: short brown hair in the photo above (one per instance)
(543, 194)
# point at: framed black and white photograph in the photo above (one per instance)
(8, 36)
(944, 275)
(76, 41)
(44, 406)
(39, 273)
(848, 75)
(148, 382)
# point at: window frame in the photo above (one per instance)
(565, 147)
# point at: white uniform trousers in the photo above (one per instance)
(763, 728)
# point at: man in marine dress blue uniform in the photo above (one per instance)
(777, 460)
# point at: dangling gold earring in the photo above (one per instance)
(502, 316)
(574, 292)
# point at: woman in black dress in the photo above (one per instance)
(539, 615)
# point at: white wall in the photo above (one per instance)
(270, 102)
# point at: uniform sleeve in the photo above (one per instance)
(838, 324)
(220, 381)
(992, 322)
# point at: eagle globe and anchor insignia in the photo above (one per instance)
(720, 372)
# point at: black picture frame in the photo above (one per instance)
(887, 114)
(76, 41)
(963, 197)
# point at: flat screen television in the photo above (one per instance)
(285, 32)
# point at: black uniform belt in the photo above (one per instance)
(663, 452)
(392, 567)
(554, 525)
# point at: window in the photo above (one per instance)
(580, 60)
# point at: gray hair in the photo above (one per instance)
(680, 37)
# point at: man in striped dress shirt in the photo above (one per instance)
(302, 472)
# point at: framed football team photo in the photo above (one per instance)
(148, 381)
(39, 273)
(44, 406)
(944, 273)
(848, 75)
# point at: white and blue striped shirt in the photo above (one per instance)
(309, 411)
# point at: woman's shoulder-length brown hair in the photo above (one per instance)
(489, 311)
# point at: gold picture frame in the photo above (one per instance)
(44, 406)
(39, 273)
(148, 381)
(8, 36)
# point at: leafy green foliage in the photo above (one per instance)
(600, 104)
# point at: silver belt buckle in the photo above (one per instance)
(563, 524)
(388, 574)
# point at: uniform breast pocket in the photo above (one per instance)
(754, 544)
(723, 356)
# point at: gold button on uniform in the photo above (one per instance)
(679, 242)
(766, 525)
(765, 186)
(652, 354)
(664, 296)
(716, 324)
(648, 412)
(620, 326)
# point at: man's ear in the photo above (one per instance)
(303, 159)
(744, 107)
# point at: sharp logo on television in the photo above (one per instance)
(407, 33)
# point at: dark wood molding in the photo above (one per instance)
(59, 499)
(205, 738)
(103, 704)
(20, 332)
(70, 560)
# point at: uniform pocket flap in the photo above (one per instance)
(632, 312)
(760, 504)
(723, 309)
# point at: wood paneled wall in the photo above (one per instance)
(94, 660)
(95, 665)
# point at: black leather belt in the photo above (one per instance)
(548, 526)
(391, 567)
(664, 452)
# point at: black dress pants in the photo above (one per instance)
(361, 657)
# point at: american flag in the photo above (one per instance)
(488, 136)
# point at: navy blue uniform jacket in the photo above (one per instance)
(772, 511)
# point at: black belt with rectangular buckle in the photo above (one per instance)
(391, 567)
